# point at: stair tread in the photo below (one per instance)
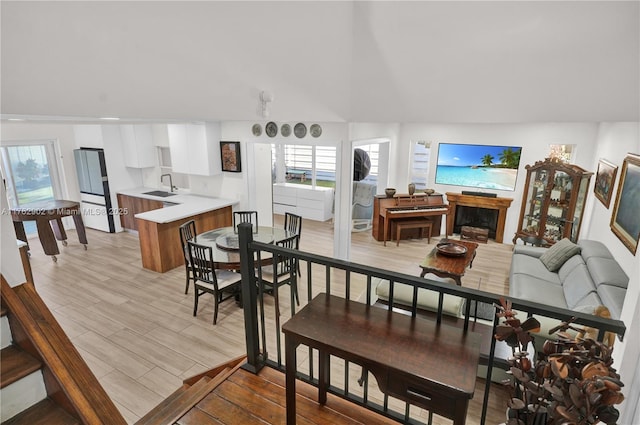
(180, 400)
(45, 412)
(154, 412)
(16, 364)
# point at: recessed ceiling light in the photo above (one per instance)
(110, 118)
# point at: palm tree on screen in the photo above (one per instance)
(510, 158)
(487, 160)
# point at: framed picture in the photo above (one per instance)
(626, 210)
(605, 179)
(230, 154)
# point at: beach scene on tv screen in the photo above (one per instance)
(479, 166)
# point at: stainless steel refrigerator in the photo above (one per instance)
(95, 198)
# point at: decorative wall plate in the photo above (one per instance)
(285, 130)
(315, 130)
(256, 130)
(300, 130)
(271, 129)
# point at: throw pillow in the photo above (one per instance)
(559, 252)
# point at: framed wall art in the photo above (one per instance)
(230, 154)
(605, 180)
(624, 220)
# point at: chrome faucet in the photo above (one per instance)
(171, 186)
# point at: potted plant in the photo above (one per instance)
(571, 381)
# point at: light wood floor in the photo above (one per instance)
(135, 327)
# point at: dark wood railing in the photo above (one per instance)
(335, 277)
(68, 379)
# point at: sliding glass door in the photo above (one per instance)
(30, 172)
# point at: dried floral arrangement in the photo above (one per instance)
(571, 382)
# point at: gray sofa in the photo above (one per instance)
(585, 281)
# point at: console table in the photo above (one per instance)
(415, 360)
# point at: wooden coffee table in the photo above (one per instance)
(449, 266)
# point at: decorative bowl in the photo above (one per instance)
(390, 192)
(429, 191)
(451, 249)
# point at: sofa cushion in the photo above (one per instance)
(569, 266)
(528, 287)
(577, 285)
(526, 265)
(590, 299)
(560, 252)
(607, 271)
(427, 299)
(613, 297)
(591, 249)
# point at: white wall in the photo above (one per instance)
(10, 263)
(614, 141)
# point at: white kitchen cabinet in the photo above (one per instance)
(137, 146)
(160, 135)
(195, 148)
(311, 203)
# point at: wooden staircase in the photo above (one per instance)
(190, 394)
(229, 395)
(44, 380)
(20, 373)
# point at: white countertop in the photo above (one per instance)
(188, 205)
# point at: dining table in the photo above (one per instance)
(225, 248)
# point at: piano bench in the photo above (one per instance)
(421, 224)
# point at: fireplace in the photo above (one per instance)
(486, 218)
(482, 211)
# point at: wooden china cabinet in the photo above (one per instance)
(553, 203)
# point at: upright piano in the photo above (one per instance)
(387, 210)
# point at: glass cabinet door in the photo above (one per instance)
(579, 208)
(536, 188)
(558, 221)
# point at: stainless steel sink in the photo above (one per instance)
(160, 193)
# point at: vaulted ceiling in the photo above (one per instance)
(415, 61)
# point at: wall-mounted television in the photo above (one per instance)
(479, 166)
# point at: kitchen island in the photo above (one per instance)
(158, 228)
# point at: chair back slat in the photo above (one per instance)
(187, 232)
(292, 223)
(245, 217)
(285, 263)
(202, 260)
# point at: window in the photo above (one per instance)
(373, 151)
(420, 164)
(325, 166)
(31, 174)
(304, 164)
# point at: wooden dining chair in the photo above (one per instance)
(293, 224)
(285, 270)
(245, 217)
(222, 284)
(187, 232)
